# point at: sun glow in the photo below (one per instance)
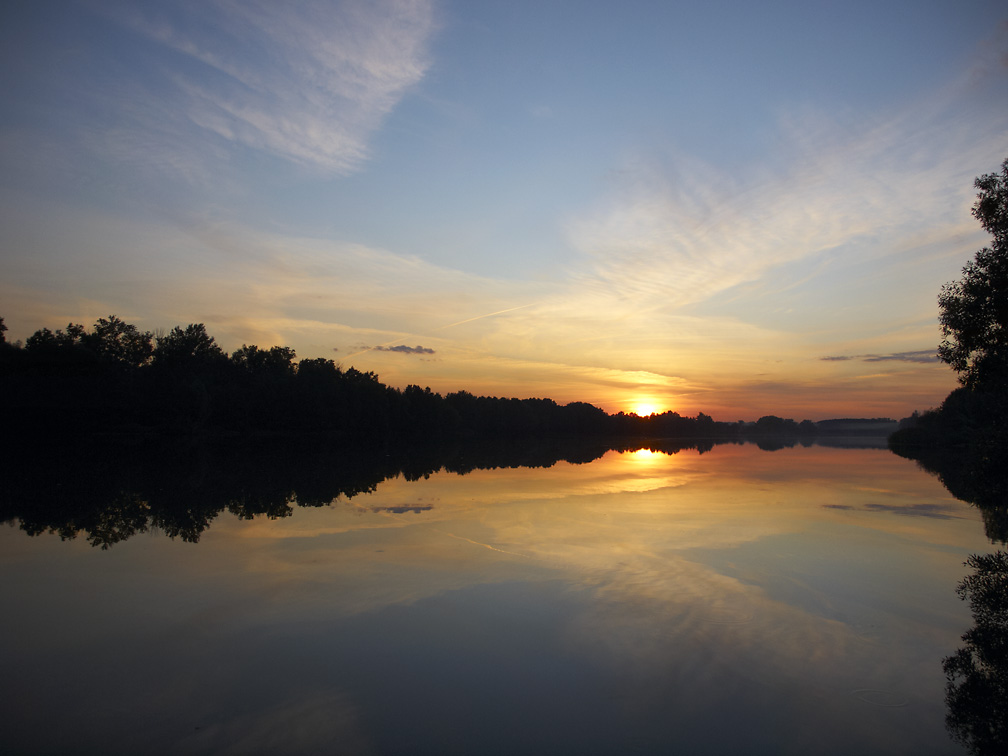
(644, 409)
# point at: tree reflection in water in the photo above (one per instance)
(109, 491)
(976, 675)
(976, 690)
(976, 474)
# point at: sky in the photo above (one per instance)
(738, 208)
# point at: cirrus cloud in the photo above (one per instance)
(306, 81)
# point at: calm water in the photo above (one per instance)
(739, 601)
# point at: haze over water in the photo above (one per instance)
(738, 600)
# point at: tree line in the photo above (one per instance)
(115, 377)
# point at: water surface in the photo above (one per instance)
(736, 601)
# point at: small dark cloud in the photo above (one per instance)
(403, 349)
(935, 511)
(922, 356)
(914, 510)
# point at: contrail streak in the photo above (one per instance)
(480, 543)
(488, 315)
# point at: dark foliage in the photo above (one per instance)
(974, 310)
(976, 675)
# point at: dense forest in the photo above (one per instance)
(115, 378)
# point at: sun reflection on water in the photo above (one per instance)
(646, 456)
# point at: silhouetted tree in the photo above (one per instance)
(189, 379)
(581, 418)
(187, 347)
(43, 338)
(46, 340)
(974, 310)
(318, 369)
(11, 355)
(122, 343)
(773, 425)
(278, 359)
(421, 411)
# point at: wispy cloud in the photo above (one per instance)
(306, 81)
(677, 231)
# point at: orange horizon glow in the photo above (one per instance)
(896, 396)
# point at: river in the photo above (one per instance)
(733, 601)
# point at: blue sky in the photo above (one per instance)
(740, 208)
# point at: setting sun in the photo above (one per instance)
(644, 409)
